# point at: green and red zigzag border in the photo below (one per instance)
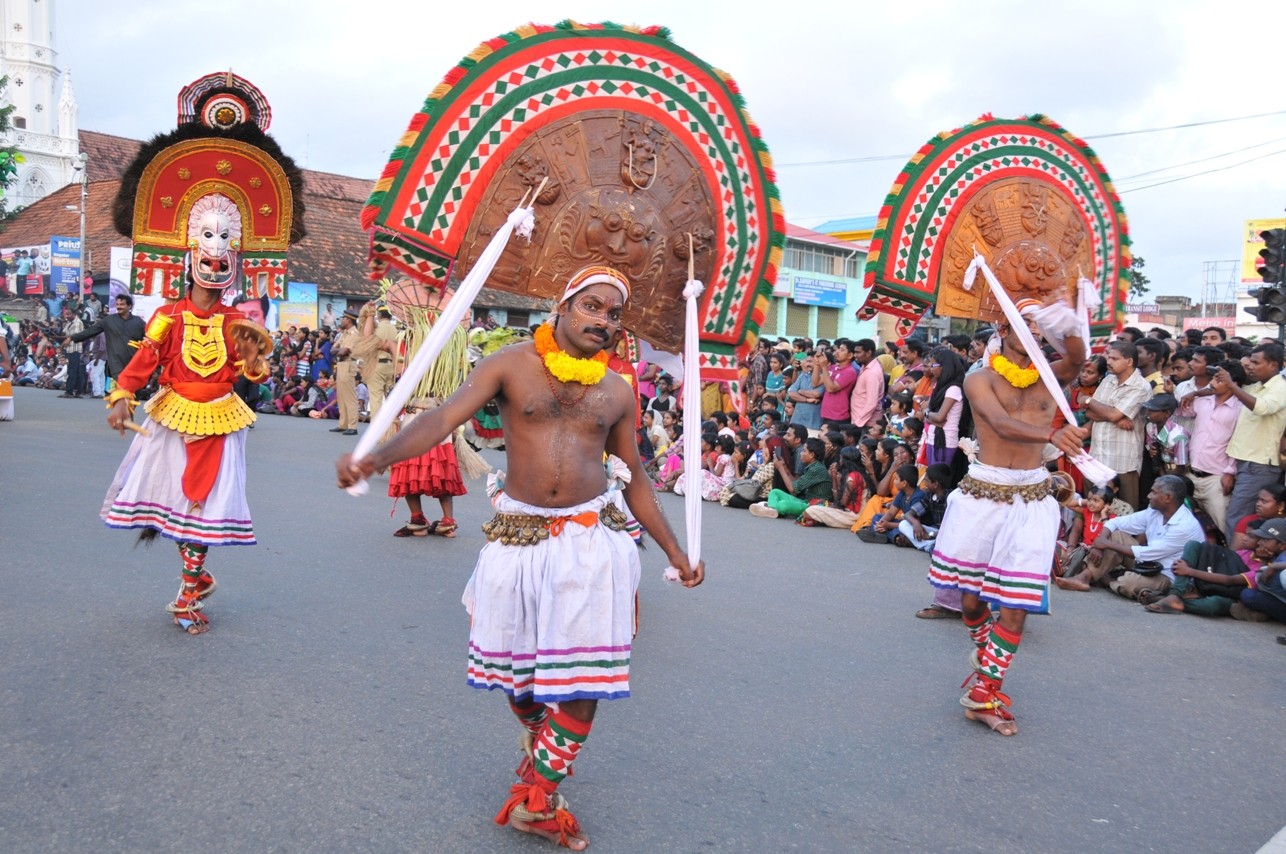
(937, 183)
(509, 86)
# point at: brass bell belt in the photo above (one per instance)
(522, 529)
(1005, 493)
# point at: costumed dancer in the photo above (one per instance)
(551, 599)
(184, 474)
(213, 207)
(999, 531)
(437, 472)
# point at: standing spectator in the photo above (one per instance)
(1256, 440)
(759, 364)
(1214, 411)
(95, 358)
(1202, 362)
(945, 406)
(1115, 411)
(73, 325)
(648, 372)
(379, 376)
(868, 391)
(303, 352)
(94, 306)
(806, 394)
(121, 330)
(1151, 362)
(346, 374)
(663, 401)
(837, 379)
(1213, 336)
(1166, 440)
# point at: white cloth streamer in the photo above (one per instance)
(691, 423)
(521, 220)
(1090, 467)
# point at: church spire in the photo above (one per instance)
(67, 109)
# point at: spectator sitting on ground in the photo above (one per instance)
(1209, 578)
(884, 525)
(1093, 512)
(1270, 503)
(1268, 598)
(1168, 526)
(848, 485)
(912, 433)
(919, 528)
(812, 484)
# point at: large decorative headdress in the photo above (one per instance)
(1030, 198)
(215, 201)
(628, 143)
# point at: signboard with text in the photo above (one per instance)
(1251, 244)
(1228, 323)
(64, 256)
(815, 290)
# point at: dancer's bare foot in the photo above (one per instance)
(1076, 582)
(997, 723)
(576, 842)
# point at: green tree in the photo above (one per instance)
(1138, 281)
(9, 157)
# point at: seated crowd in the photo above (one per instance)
(839, 434)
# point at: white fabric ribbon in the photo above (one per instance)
(691, 424)
(522, 220)
(1087, 300)
(1090, 467)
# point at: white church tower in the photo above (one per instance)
(43, 123)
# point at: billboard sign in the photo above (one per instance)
(64, 257)
(1251, 244)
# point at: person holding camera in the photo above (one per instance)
(834, 371)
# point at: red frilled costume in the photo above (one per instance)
(212, 208)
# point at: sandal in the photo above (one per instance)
(444, 527)
(985, 704)
(186, 609)
(413, 529)
(530, 809)
(937, 612)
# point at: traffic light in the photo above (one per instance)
(1271, 298)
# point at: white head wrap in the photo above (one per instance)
(597, 274)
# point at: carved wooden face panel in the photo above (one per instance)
(1032, 237)
(621, 192)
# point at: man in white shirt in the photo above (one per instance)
(1167, 525)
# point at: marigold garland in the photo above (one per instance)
(1014, 375)
(565, 368)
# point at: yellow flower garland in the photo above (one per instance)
(1014, 375)
(565, 368)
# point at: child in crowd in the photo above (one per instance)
(919, 529)
(912, 432)
(899, 411)
(884, 527)
(1095, 509)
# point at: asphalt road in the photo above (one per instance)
(790, 703)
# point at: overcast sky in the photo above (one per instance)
(824, 80)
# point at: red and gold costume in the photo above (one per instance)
(212, 210)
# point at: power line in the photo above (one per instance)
(879, 157)
(1199, 160)
(1206, 172)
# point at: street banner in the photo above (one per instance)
(64, 256)
(1251, 244)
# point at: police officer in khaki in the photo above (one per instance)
(379, 379)
(346, 374)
